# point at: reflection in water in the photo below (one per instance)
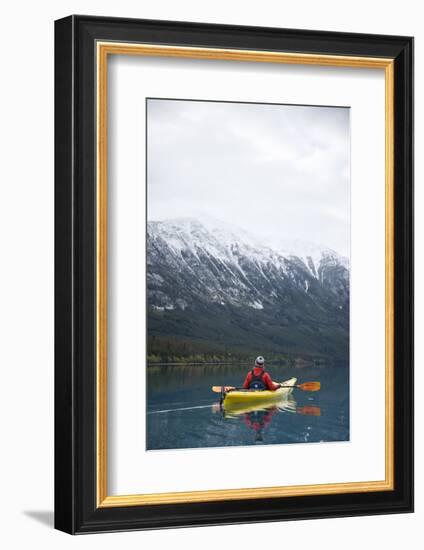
(286, 404)
(258, 417)
(310, 410)
(182, 412)
(258, 421)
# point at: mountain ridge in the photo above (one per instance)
(220, 287)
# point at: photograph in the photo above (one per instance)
(247, 273)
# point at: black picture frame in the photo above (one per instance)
(76, 509)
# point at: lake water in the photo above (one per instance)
(183, 412)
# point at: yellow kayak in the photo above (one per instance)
(256, 399)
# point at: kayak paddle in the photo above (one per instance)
(306, 386)
(223, 389)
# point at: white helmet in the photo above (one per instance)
(260, 361)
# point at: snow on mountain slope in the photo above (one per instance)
(192, 262)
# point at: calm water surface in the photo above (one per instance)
(182, 411)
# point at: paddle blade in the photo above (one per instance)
(221, 389)
(309, 411)
(310, 386)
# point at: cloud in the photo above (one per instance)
(282, 171)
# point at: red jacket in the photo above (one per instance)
(266, 379)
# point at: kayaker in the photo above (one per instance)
(258, 378)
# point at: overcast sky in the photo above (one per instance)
(280, 171)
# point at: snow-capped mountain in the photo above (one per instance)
(188, 260)
(199, 271)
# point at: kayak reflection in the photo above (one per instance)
(233, 410)
(258, 421)
(259, 417)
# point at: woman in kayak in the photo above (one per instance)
(258, 378)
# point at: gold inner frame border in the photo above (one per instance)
(103, 50)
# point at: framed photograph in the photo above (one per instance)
(234, 274)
